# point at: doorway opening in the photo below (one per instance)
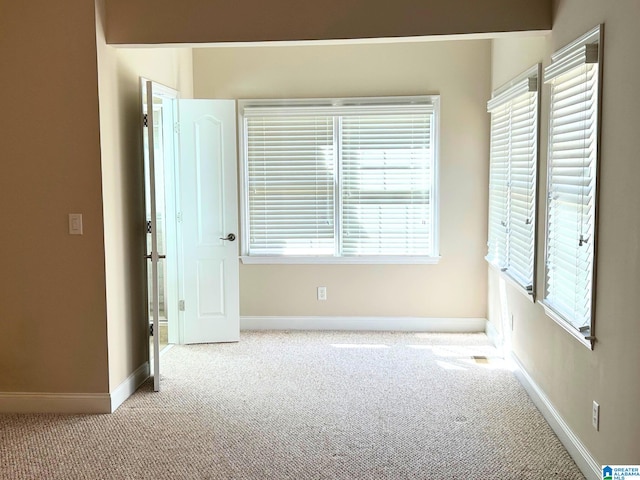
(160, 219)
(190, 165)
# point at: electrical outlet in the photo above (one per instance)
(595, 416)
(322, 293)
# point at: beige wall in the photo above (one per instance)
(52, 287)
(571, 375)
(122, 179)
(204, 21)
(460, 73)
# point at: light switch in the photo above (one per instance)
(75, 224)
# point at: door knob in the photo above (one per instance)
(231, 237)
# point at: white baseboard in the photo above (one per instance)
(494, 336)
(129, 386)
(405, 324)
(580, 454)
(28, 402)
(73, 403)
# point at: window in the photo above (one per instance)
(512, 178)
(574, 77)
(341, 180)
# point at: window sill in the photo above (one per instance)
(310, 260)
(587, 341)
(514, 282)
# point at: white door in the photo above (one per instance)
(208, 220)
(153, 255)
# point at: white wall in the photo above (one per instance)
(571, 375)
(460, 73)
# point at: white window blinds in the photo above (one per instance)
(291, 163)
(387, 180)
(512, 178)
(355, 178)
(571, 178)
(499, 186)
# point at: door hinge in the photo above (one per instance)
(151, 329)
(145, 120)
(181, 305)
(176, 127)
(179, 217)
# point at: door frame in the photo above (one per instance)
(170, 167)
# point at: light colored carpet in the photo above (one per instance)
(297, 405)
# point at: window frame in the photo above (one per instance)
(367, 104)
(527, 82)
(565, 60)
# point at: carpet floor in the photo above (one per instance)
(305, 405)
